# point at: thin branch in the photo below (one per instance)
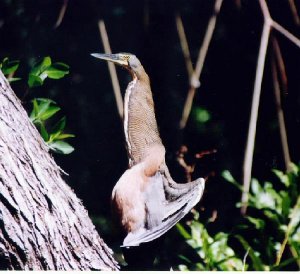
(247, 166)
(194, 80)
(286, 33)
(111, 68)
(280, 64)
(244, 259)
(269, 23)
(294, 12)
(280, 115)
(184, 46)
(61, 13)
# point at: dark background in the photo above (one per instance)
(147, 29)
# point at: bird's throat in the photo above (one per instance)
(129, 89)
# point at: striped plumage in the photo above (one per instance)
(146, 199)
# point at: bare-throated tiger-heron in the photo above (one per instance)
(146, 199)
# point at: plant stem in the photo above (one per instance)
(288, 232)
(112, 69)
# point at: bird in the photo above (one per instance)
(146, 200)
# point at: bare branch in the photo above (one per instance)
(112, 69)
(194, 80)
(61, 13)
(286, 33)
(184, 46)
(280, 115)
(294, 12)
(269, 23)
(247, 166)
(280, 64)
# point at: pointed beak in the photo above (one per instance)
(115, 58)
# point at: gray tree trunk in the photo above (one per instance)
(43, 225)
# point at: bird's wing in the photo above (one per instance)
(166, 202)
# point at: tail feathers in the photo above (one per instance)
(172, 200)
(144, 236)
(183, 199)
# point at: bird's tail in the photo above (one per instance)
(175, 202)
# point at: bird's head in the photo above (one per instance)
(126, 60)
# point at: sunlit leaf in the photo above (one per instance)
(34, 81)
(9, 67)
(229, 178)
(61, 147)
(14, 79)
(258, 223)
(57, 70)
(65, 136)
(41, 66)
(49, 112)
(183, 231)
(282, 177)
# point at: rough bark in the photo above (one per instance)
(43, 225)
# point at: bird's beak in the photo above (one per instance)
(119, 59)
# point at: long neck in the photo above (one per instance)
(140, 125)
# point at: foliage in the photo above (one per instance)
(9, 67)
(213, 251)
(274, 218)
(44, 109)
(43, 69)
(269, 236)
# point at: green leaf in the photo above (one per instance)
(35, 110)
(229, 178)
(183, 231)
(65, 136)
(34, 81)
(14, 79)
(57, 70)
(9, 67)
(282, 177)
(61, 147)
(258, 223)
(44, 132)
(42, 109)
(60, 125)
(41, 66)
(49, 112)
(255, 186)
(187, 260)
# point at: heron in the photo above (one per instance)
(146, 200)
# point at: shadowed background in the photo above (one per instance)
(148, 30)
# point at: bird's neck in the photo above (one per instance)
(128, 92)
(140, 125)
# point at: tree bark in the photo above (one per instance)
(43, 225)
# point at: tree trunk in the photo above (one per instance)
(43, 225)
